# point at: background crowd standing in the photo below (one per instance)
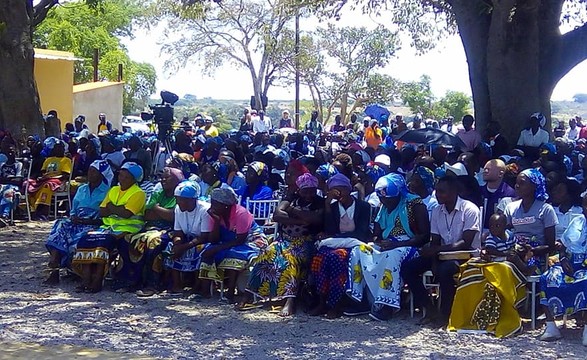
(360, 217)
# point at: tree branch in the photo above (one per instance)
(572, 51)
(41, 10)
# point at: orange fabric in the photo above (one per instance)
(373, 137)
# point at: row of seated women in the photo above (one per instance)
(117, 229)
(176, 234)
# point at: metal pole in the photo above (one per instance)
(119, 72)
(297, 54)
(95, 63)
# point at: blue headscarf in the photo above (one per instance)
(392, 185)
(374, 171)
(97, 145)
(326, 171)
(427, 177)
(134, 169)
(536, 178)
(188, 189)
(104, 168)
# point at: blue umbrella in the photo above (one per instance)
(375, 111)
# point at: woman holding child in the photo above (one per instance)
(490, 289)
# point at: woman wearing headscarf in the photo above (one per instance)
(90, 154)
(533, 220)
(112, 151)
(84, 217)
(191, 230)
(55, 171)
(256, 189)
(122, 213)
(210, 175)
(422, 184)
(401, 228)
(234, 243)
(373, 172)
(140, 252)
(324, 173)
(281, 267)
(138, 154)
(294, 170)
(564, 285)
(229, 173)
(346, 223)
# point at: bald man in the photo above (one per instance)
(495, 188)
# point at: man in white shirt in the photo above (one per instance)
(454, 225)
(258, 123)
(535, 135)
(573, 130)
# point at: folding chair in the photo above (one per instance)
(65, 194)
(25, 176)
(431, 286)
(262, 211)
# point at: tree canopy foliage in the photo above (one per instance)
(247, 34)
(81, 27)
(516, 50)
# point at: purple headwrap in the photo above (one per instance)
(339, 180)
(306, 181)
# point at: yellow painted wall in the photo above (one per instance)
(91, 99)
(54, 77)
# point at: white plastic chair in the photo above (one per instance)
(430, 286)
(25, 176)
(263, 211)
(65, 194)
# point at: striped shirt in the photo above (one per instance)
(499, 244)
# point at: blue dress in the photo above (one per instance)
(65, 234)
(562, 293)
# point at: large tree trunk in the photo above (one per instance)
(516, 57)
(513, 66)
(19, 99)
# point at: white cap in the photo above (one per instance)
(383, 159)
(458, 169)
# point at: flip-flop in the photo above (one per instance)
(247, 307)
(276, 309)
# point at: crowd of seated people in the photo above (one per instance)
(358, 223)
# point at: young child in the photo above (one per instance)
(501, 245)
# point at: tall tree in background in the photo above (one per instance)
(515, 48)
(357, 52)
(19, 98)
(80, 28)
(245, 33)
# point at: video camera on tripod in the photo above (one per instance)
(162, 114)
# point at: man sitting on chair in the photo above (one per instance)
(454, 225)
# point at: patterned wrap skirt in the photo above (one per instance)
(64, 238)
(563, 294)
(94, 248)
(280, 267)
(330, 273)
(379, 272)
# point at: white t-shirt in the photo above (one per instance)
(194, 222)
(573, 134)
(527, 138)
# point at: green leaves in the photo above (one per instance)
(82, 26)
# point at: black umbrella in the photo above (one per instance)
(430, 136)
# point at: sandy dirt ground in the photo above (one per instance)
(70, 325)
